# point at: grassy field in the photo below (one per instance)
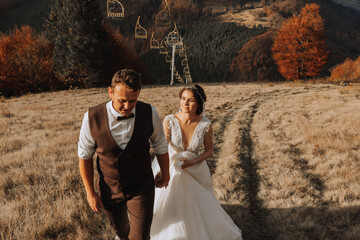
(285, 164)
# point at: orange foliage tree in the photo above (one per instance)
(299, 48)
(349, 70)
(25, 62)
(254, 61)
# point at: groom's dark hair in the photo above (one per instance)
(199, 95)
(128, 77)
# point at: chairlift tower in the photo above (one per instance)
(175, 41)
(115, 11)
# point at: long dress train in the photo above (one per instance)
(188, 209)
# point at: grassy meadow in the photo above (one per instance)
(285, 163)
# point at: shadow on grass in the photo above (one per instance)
(298, 223)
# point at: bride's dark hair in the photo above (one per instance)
(199, 95)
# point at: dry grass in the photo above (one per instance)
(268, 173)
(249, 17)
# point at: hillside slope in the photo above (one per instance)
(341, 23)
(285, 163)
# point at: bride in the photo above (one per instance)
(188, 208)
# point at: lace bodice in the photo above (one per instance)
(197, 142)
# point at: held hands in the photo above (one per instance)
(95, 202)
(161, 181)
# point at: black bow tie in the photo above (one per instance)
(125, 117)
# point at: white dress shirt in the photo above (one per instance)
(121, 131)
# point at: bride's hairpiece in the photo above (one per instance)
(197, 92)
(202, 111)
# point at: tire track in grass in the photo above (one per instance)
(236, 181)
(256, 227)
(219, 118)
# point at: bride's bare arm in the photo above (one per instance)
(208, 143)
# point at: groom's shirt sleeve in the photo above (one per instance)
(86, 144)
(157, 139)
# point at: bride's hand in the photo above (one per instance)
(186, 163)
(160, 181)
(158, 176)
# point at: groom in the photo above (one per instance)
(120, 132)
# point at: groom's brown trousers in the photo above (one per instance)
(132, 218)
(126, 182)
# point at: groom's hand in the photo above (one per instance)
(160, 181)
(95, 202)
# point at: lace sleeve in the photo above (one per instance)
(167, 128)
(208, 137)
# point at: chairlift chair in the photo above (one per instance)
(179, 45)
(182, 51)
(168, 58)
(163, 49)
(115, 9)
(176, 73)
(154, 44)
(179, 79)
(162, 18)
(140, 32)
(184, 62)
(188, 79)
(186, 70)
(173, 37)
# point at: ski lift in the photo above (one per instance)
(173, 37)
(115, 9)
(140, 32)
(188, 78)
(182, 51)
(154, 44)
(163, 49)
(168, 58)
(186, 70)
(162, 18)
(184, 62)
(179, 46)
(179, 79)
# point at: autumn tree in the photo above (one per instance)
(25, 62)
(299, 48)
(349, 70)
(254, 62)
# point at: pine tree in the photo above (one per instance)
(80, 41)
(299, 48)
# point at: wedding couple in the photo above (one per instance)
(120, 131)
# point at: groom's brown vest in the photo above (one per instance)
(122, 172)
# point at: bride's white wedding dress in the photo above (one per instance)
(187, 208)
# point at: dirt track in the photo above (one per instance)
(237, 179)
